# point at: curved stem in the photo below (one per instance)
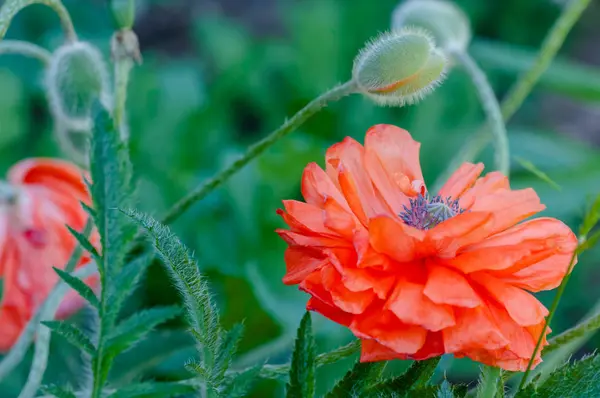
(10, 8)
(492, 109)
(559, 293)
(257, 149)
(490, 380)
(576, 332)
(519, 91)
(26, 49)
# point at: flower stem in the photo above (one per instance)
(10, 8)
(559, 293)
(257, 149)
(492, 109)
(519, 91)
(489, 382)
(574, 333)
(26, 49)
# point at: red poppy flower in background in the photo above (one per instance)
(415, 275)
(40, 197)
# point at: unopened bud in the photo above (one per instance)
(123, 12)
(75, 78)
(443, 19)
(399, 68)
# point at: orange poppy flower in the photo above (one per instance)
(38, 199)
(415, 275)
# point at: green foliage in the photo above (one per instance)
(58, 392)
(239, 384)
(579, 379)
(73, 334)
(526, 164)
(358, 380)
(303, 367)
(591, 218)
(136, 327)
(79, 286)
(85, 243)
(153, 390)
(417, 376)
(228, 344)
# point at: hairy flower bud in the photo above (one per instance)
(75, 78)
(399, 68)
(123, 12)
(447, 23)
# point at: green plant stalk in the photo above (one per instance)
(521, 89)
(576, 332)
(257, 149)
(490, 380)
(122, 71)
(559, 293)
(10, 8)
(26, 49)
(492, 109)
(278, 371)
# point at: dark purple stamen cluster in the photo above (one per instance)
(426, 212)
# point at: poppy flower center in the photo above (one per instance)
(425, 212)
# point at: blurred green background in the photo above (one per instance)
(219, 75)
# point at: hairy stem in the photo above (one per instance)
(10, 8)
(521, 89)
(576, 332)
(492, 109)
(26, 49)
(559, 293)
(489, 382)
(257, 149)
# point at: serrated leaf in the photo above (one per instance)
(110, 170)
(125, 284)
(418, 375)
(302, 370)
(79, 286)
(72, 334)
(579, 379)
(201, 312)
(358, 380)
(227, 348)
(445, 390)
(57, 392)
(591, 218)
(84, 242)
(153, 390)
(134, 328)
(86, 207)
(239, 384)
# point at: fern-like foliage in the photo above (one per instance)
(303, 366)
(216, 346)
(415, 378)
(358, 380)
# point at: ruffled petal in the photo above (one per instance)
(395, 239)
(491, 183)
(317, 187)
(474, 330)
(344, 298)
(461, 180)
(411, 306)
(372, 351)
(337, 219)
(304, 218)
(459, 231)
(300, 262)
(445, 286)
(329, 311)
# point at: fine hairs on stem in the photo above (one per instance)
(491, 108)
(11, 8)
(519, 91)
(26, 49)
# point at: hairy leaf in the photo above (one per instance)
(134, 328)
(358, 380)
(153, 390)
(418, 375)
(445, 390)
(302, 370)
(227, 349)
(58, 392)
(72, 334)
(239, 384)
(79, 286)
(579, 379)
(201, 312)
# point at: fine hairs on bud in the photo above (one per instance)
(76, 76)
(447, 23)
(399, 68)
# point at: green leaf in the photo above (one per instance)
(137, 326)
(227, 349)
(579, 379)
(84, 242)
(58, 392)
(527, 165)
(418, 375)
(153, 390)
(358, 380)
(125, 284)
(592, 217)
(79, 286)
(239, 384)
(302, 370)
(72, 334)
(445, 390)
(201, 311)
(110, 170)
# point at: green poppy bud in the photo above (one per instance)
(399, 68)
(123, 12)
(443, 19)
(75, 78)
